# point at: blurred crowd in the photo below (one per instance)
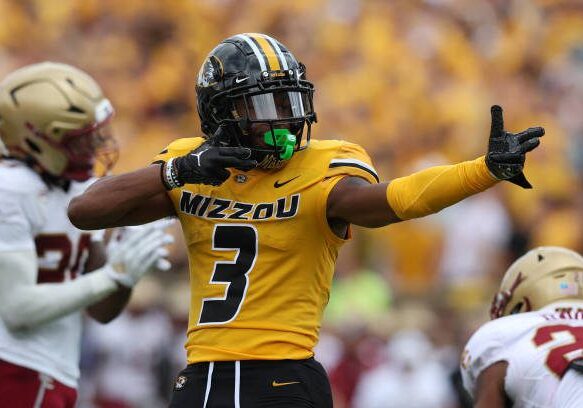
(410, 80)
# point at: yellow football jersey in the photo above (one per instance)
(261, 253)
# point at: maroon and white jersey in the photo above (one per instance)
(34, 217)
(538, 347)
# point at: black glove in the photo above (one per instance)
(507, 151)
(207, 164)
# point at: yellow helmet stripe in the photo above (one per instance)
(277, 50)
(267, 50)
(258, 54)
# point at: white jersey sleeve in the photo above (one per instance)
(15, 227)
(484, 348)
(20, 219)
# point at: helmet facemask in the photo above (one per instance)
(78, 151)
(269, 119)
(87, 149)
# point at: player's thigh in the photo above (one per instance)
(189, 388)
(21, 387)
(285, 384)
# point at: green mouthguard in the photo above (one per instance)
(284, 141)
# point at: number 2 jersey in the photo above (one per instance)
(261, 253)
(34, 217)
(538, 347)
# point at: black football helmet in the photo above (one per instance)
(253, 92)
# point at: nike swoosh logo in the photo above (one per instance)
(277, 184)
(239, 80)
(278, 384)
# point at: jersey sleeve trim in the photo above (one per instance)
(327, 186)
(354, 163)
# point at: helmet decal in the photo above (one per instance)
(210, 72)
(503, 297)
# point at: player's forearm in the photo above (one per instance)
(110, 199)
(431, 190)
(111, 306)
(490, 404)
(27, 306)
(108, 308)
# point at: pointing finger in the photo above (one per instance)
(239, 152)
(497, 121)
(530, 133)
(529, 145)
(246, 165)
(227, 161)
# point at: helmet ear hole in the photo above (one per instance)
(517, 308)
(75, 109)
(33, 146)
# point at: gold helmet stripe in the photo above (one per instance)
(255, 49)
(267, 49)
(277, 49)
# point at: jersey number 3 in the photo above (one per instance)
(559, 357)
(230, 237)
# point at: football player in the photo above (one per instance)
(53, 121)
(531, 355)
(264, 210)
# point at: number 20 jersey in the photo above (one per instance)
(34, 217)
(261, 253)
(538, 346)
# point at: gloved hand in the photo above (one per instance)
(507, 151)
(208, 164)
(134, 251)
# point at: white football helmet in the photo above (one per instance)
(53, 116)
(542, 276)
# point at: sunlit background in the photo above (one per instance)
(412, 81)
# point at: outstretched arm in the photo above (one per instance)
(375, 205)
(357, 202)
(133, 198)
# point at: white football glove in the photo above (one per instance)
(134, 251)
